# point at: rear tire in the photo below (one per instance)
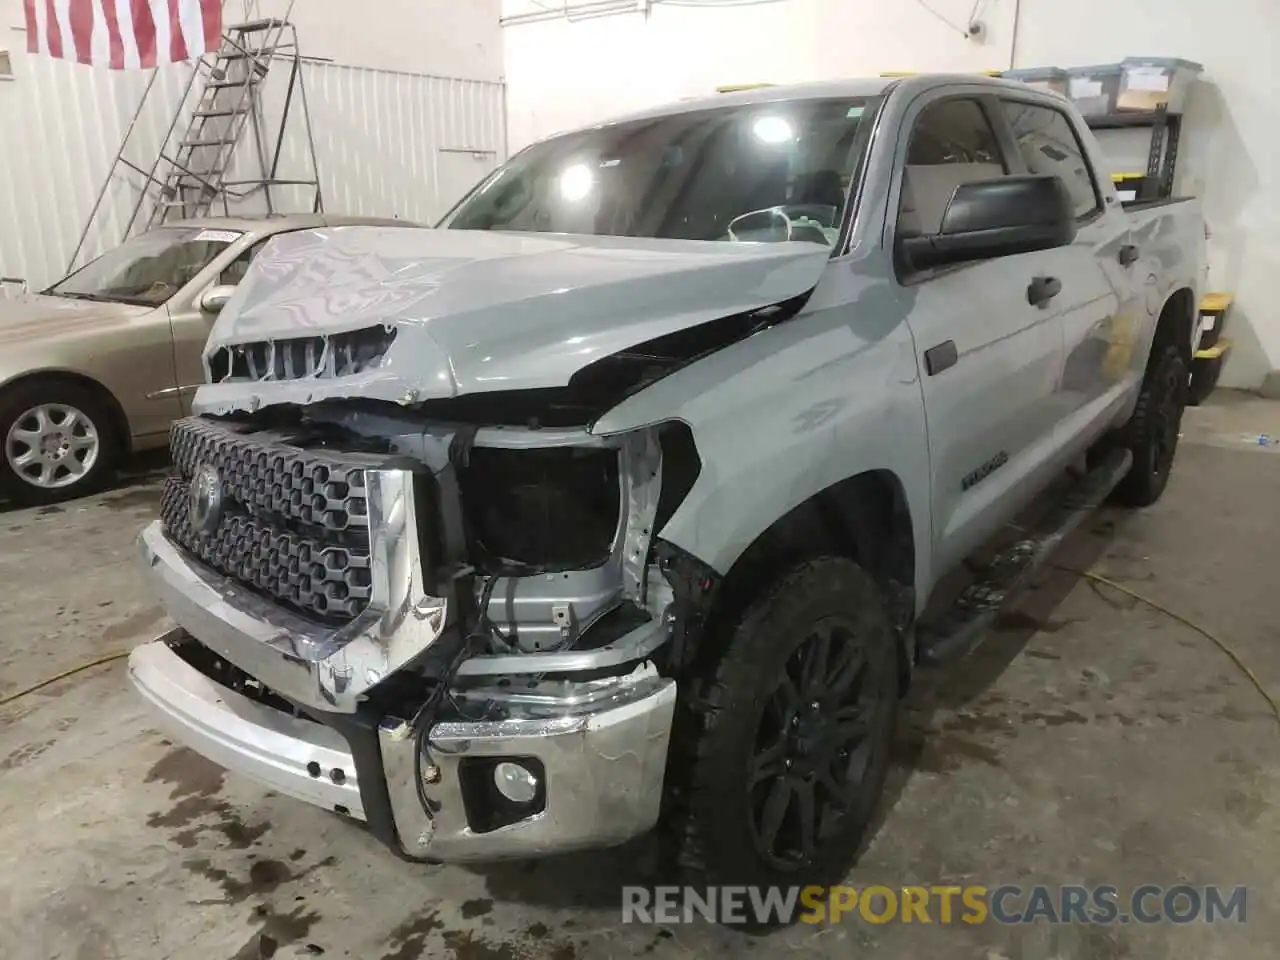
(781, 745)
(1152, 432)
(59, 440)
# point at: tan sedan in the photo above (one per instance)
(99, 364)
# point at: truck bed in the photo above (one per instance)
(1135, 206)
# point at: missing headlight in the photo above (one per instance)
(553, 509)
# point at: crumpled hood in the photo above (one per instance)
(33, 316)
(479, 311)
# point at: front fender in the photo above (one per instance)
(785, 414)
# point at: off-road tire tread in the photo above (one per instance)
(1140, 488)
(707, 698)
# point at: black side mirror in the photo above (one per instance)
(996, 218)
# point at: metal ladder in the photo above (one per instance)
(197, 172)
(189, 178)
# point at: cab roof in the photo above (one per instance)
(821, 90)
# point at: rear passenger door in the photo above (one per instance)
(1098, 300)
(989, 359)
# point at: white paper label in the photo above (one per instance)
(1127, 196)
(1207, 322)
(1147, 78)
(217, 236)
(1082, 87)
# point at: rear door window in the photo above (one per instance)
(1049, 145)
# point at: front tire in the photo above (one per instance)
(782, 743)
(59, 442)
(1152, 431)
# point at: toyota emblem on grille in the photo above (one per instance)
(206, 501)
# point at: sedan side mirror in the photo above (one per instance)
(216, 297)
(997, 218)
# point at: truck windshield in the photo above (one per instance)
(148, 269)
(757, 172)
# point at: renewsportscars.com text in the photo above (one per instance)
(1004, 904)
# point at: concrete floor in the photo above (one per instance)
(1090, 740)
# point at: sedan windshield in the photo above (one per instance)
(756, 172)
(148, 269)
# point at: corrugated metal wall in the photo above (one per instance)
(61, 124)
(387, 144)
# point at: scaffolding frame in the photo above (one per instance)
(189, 178)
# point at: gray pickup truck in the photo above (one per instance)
(622, 499)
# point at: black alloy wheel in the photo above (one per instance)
(814, 745)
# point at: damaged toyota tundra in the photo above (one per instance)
(621, 499)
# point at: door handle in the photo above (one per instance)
(1128, 254)
(939, 358)
(1043, 289)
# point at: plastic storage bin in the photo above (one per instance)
(897, 74)
(1213, 315)
(1094, 90)
(1133, 187)
(1053, 79)
(1213, 348)
(1150, 82)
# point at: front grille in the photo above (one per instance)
(295, 523)
(268, 476)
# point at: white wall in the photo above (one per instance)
(445, 38)
(562, 74)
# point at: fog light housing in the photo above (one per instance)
(515, 782)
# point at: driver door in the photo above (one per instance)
(989, 360)
(190, 325)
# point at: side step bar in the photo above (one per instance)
(962, 627)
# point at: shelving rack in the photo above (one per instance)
(1156, 182)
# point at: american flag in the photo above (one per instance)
(121, 34)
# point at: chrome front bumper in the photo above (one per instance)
(602, 752)
(243, 735)
(603, 762)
